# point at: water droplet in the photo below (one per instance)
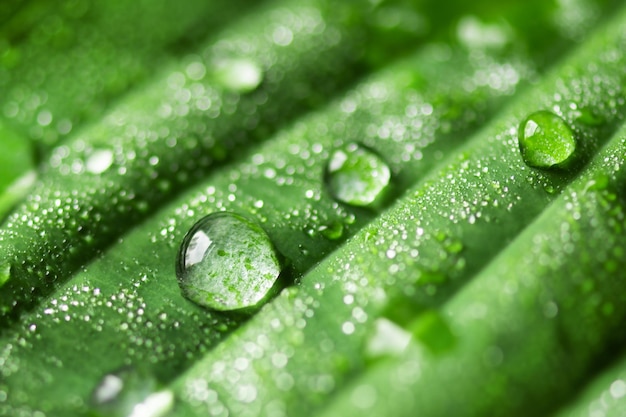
(226, 262)
(432, 330)
(99, 161)
(546, 141)
(332, 231)
(387, 339)
(357, 176)
(402, 305)
(453, 246)
(240, 75)
(618, 389)
(550, 189)
(364, 397)
(130, 393)
(599, 183)
(589, 117)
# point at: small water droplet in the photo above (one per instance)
(240, 75)
(357, 176)
(546, 141)
(129, 392)
(226, 262)
(332, 231)
(550, 189)
(587, 116)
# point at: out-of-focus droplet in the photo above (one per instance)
(587, 116)
(332, 231)
(387, 339)
(130, 393)
(433, 332)
(240, 75)
(99, 161)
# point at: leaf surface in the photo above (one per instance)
(438, 282)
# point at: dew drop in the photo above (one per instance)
(453, 246)
(226, 262)
(128, 392)
(587, 116)
(332, 231)
(99, 161)
(546, 141)
(240, 75)
(550, 189)
(432, 330)
(386, 339)
(357, 176)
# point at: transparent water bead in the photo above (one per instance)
(226, 262)
(546, 141)
(357, 176)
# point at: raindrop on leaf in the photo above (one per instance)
(226, 262)
(546, 141)
(332, 231)
(239, 75)
(5, 273)
(357, 176)
(432, 330)
(99, 161)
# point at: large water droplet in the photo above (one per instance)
(432, 330)
(99, 161)
(357, 176)
(226, 262)
(387, 339)
(546, 141)
(130, 393)
(240, 75)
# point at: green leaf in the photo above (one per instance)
(604, 394)
(63, 66)
(541, 329)
(453, 279)
(17, 168)
(167, 135)
(393, 258)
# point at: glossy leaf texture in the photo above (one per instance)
(433, 241)
(171, 132)
(64, 64)
(417, 246)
